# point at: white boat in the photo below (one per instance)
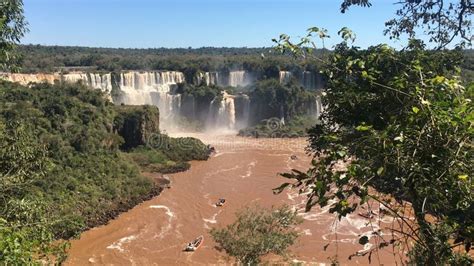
(195, 244)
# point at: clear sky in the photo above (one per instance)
(196, 23)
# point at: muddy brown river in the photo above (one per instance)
(244, 171)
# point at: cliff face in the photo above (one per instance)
(136, 124)
(25, 79)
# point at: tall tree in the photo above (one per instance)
(401, 124)
(443, 21)
(13, 26)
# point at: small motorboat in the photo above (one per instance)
(220, 203)
(195, 244)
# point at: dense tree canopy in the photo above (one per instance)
(441, 20)
(401, 124)
(12, 28)
(257, 232)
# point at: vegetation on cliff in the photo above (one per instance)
(270, 98)
(136, 124)
(61, 166)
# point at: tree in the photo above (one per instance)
(258, 231)
(12, 28)
(401, 122)
(443, 21)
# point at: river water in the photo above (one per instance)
(244, 171)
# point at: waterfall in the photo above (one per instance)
(153, 88)
(285, 76)
(98, 81)
(308, 80)
(102, 82)
(230, 112)
(209, 78)
(315, 108)
(319, 106)
(242, 111)
(222, 114)
(312, 80)
(239, 78)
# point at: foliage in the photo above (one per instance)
(37, 58)
(136, 124)
(24, 231)
(61, 170)
(270, 98)
(443, 21)
(169, 155)
(12, 28)
(257, 232)
(402, 123)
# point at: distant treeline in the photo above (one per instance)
(264, 61)
(37, 58)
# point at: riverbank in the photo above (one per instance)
(244, 171)
(160, 184)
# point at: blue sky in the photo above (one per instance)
(196, 23)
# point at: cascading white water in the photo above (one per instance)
(285, 76)
(94, 80)
(315, 108)
(222, 114)
(229, 111)
(156, 88)
(208, 78)
(101, 81)
(153, 88)
(319, 106)
(308, 80)
(239, 78)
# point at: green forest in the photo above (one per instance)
(71, 160)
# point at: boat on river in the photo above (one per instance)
(195, 244)
(220, 203)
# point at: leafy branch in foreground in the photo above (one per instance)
(401, 125)
(12, 27)
(258, 231)
(442, 21)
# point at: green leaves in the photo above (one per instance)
(347, 34)
(363, 128)
(380, 171)
(12, 28)
(400, 123)
(257, 232)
